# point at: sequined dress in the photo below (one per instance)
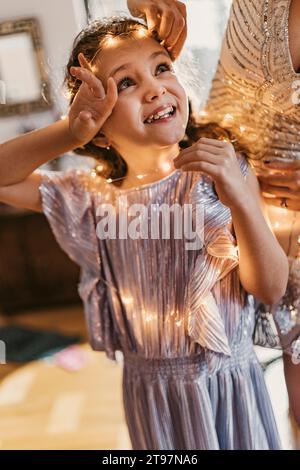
(191, 379)
(255, 94)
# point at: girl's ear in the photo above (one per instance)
(101, 140)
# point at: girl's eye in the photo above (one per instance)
(122, 82)
(127, 80)
(167, 66)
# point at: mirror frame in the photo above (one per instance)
(44, 103)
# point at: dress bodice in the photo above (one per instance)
(256, 91)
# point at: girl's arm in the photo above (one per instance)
(19, 157)
(90, 109)
(263, 265)
(25, 195)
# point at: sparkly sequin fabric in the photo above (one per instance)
(255, 93)
(184, 324)
(255, 83)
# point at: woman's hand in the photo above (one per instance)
(91, 106)
(218, 160)
(283, 187)
(167, 18)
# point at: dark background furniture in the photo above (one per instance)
(34, 271)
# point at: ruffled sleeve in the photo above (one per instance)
(218, 257)
(68, 204)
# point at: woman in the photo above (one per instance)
(255, 93)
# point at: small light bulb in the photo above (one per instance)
(166, 166)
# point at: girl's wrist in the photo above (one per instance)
(246, 204)
(72, 141)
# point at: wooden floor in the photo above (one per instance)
(44, 406)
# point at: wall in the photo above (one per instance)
(60, 21)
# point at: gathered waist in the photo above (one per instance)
(195, 363)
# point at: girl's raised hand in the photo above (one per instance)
(218, 160)
(167, 18)
(91, 106)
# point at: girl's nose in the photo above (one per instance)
(154, 91)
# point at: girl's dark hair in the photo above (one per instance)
(89, 42)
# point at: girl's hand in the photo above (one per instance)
(91, 106)
(167, 18)
(218, 160)
(283, 187)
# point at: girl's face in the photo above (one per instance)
(152, 108)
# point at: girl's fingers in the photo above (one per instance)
(192, 158)
(83, 61)
(204, 167)
(112, 92)
(210, 148)
(90, 80)
(196, 150)
(215, 142)
(85, 115)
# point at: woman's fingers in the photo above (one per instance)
(152, 17)
(290, 180)
(166, 24)
(178, 26)
(272, 191)
(286, 165)
(175, 50)
(293, 205)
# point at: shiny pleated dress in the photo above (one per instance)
(256, 94)
(184, 324)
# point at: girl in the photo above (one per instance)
(181, 317)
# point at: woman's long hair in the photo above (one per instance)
(90, 42)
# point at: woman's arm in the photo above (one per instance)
(294, 33)
(263, 264)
